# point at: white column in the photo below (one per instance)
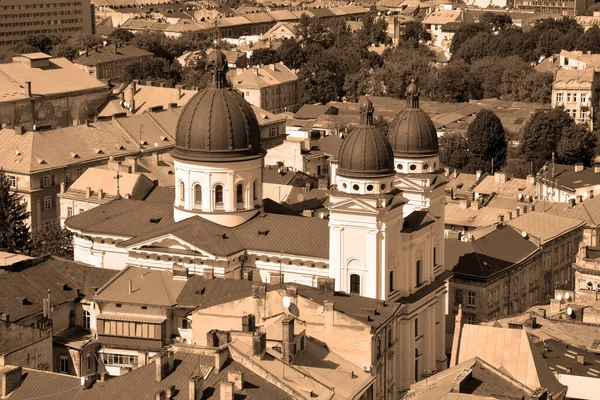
(370, 287)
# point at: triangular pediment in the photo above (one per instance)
(169, 243)
(354, 205)
(407, 184)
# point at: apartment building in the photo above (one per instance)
(109, 62)
(273, 87)
(21, 18)
(575, 91)
(569, 8)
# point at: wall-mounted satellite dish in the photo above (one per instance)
(286, 302)
(558, 297)
(567, 296)
(569, 311)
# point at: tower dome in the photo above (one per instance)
(217, 124)
(365, 153)
(412, 133)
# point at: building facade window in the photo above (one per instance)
(471, 298)
(181, 192)
(469, 319)
(559, 98)
(254, 194)
(198, 196)
(186, 323)
(417, 372)
(67, 175)
(219, 196)
(239, 193)
(64, 364)
(47, 202)
(46, 180)
(355, 283)
(391, 281)
(418, 273)
(86, 320)
(416, 328)
(69, 212)
(12, 181)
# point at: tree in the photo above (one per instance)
(357, 84)
(65, 50)
(590, 40)
(414, 31)
(487, 142)
(496, 20)
(319, 81)
(450, 83)
(303, 26)
(263, 57)
(464, 33)
(454, 151)
(53, 240)
(403, 64)
(123, 36)
(373, 31)
(193, 40)
(576, 145)
(291, 53)
(542, 133)
(14, 232)
(155, 68)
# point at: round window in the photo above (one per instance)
(355, 187)
(400, 166)
(369, 187)
(426, 166)
(344, 185)
(383, 186)
(413, 167)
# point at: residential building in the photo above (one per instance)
(563, 183)
(50, 294)
(442, 24)
(587, 21)
(511, 351)
(283, 185)
(383, 240)
(38, 90)
(100, 185)
(575, 90)
(274, 88)
(282, 31)
(272, 127)
(21, 18)
(570, 8)
(109, 62)
(467, 220)
(36, 163)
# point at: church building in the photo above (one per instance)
(383, 239)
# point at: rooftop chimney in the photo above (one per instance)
(259, 344)
(596, 168)
(88, 192)
(248, 323)
(518, 211)
(500, 177)
(579, 199)
(28, 89)
(10, 379)
(208, 273)
(116, 48)
(237, 378)
(162, 365)
(571, 203)
(130, 286)
(62, 187)
(501, 218)
(531, 180)
(446, 172)
(326, 285)
(226, 390)
(288, 342)
(196, 388)
(578, 167)
(132, 101)
(478, 174)
(100, 194)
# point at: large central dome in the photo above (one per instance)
(217, 124)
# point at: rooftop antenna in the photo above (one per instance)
(553, 174)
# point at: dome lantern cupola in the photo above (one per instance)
(413, 137)
(365, 158)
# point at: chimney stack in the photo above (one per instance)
(478, 174)
(196, 388)
(571, 203)
(288, 342)
(581, 359)
(162, 365)
(130, 286)
(28, 89)
(518, 211)
(326, 285)
(248, 323)
(259, 344)
(596, 168)
(578, 167)
(100, 194)
(62, 187)
(226, 391)
(208, 273)
(237, 378)
(88, 192)
(133, 92)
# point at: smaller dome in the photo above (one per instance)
(411, 132)
(365, 152)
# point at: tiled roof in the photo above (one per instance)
(46, 385)
(286, 234)
(457, 214)
(62, 77)
(544, 226)
(292, 178)
(198, 232)
(573, 75)
(314, 111)
(149, 286)
(329, 145)
(48, 150)
(203, 293)
(587, 211)
(147, 97)
(104, 54)
(161, 195)
(566, 176)
(264, 76)
(510, 350)
(443, 17)
(417, 220)
(562, 359)
(488, 255)
(123, 218)
(135, 185)
(26, 284)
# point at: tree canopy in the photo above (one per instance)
(486, 141)
(14, 232)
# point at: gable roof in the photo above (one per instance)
(104, 54)
(286, 234)
(25, 284)
(544, 226)
(149, 287)
(264, 76)
(512, 352)
(203, 293)
(135, 185)
(494, 252)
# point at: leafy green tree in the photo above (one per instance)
(401, 65)
(542, 133)
(487, 142)
(122, 36)
(590, 40)
(43, 43)
(303, 26)
(8, 52)
(291, 53)
(414, 31)
(53, 240)
(382, 125)
(193, 41)
(155, 68)
(65, 50)
(464, 33)
(497, 21)
(577, 144)
(373, 31)
(263, 57)
(450, 83)
(475, 48)
(454, 150)
(14, 232)
(319, 80)
(357, 84)
(535, 87)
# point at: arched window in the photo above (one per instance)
(86, 320)
(181, 192)
(219, 196)
(418, 276)
(239, 193)
(391, 281)
(590, 286)
(355, 283)
(416, 327)
(198, 196)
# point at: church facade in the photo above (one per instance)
(383, 240)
